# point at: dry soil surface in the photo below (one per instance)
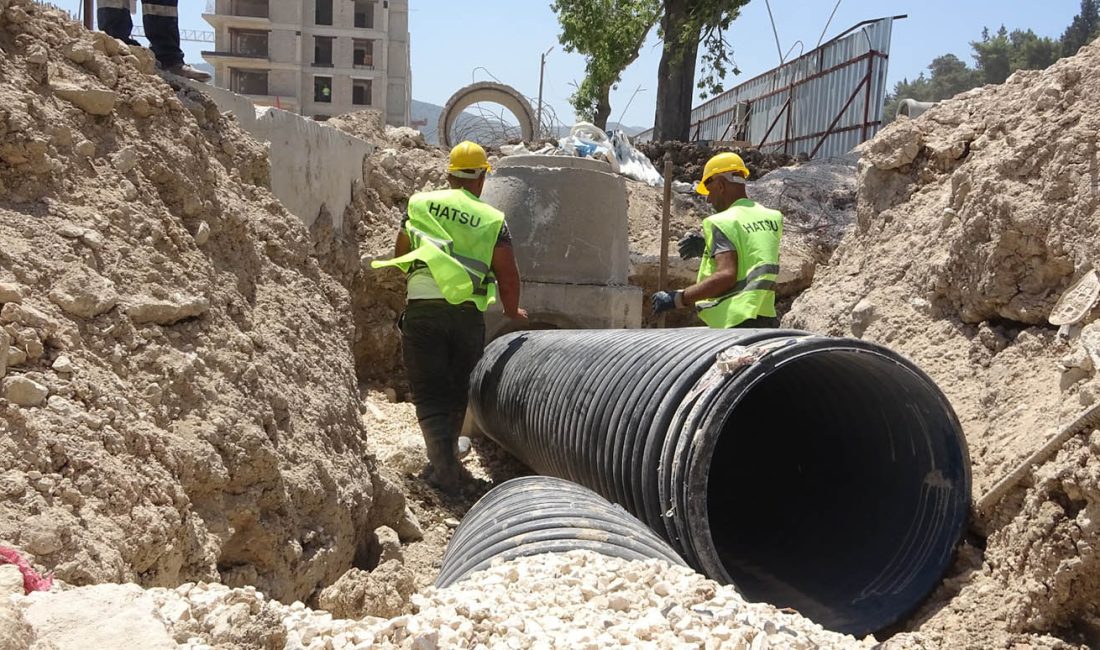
(972, 221)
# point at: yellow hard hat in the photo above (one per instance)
(468, 155)
(722, 163)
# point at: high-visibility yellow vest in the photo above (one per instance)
(454, 234)
(754, 232)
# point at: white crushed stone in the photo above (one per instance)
(569, 600)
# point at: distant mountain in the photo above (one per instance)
(425, 117)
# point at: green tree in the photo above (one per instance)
(996, 56)
(687, 25)
(949, 76)
(1031, 52)
(610, 34)
(993, 55)
(999, 56)
(1084, 28)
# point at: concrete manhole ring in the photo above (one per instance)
(486, 91)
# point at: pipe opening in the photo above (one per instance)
(839, 487)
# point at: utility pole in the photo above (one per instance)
(542, 71)
(88, 14)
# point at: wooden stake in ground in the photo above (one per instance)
(1086, 420)
(88, 14)
(666, 212)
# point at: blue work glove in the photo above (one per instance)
(663, 301)
(691, 245)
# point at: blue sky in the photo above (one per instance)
(454, 43)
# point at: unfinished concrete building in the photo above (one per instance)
(315, 57)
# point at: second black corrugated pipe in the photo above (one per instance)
(542, 514)
(827, 475)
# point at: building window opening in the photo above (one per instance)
(248, 43)
(322, 50)
(324, 12)
(250, 8)
(248, 82)
(361, 92)
(322, 90)
(363, 53)
(364, 14)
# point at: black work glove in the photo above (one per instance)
(691, 245)
(666, 301)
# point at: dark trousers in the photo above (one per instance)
(442, 344)
(161, 21)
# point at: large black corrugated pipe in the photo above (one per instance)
(828, 475)
(541, 514)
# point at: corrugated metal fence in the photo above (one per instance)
(822, 104)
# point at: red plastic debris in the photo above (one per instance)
(32, 580)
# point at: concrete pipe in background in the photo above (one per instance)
(827, 475)
(912, 108)
(540, 514)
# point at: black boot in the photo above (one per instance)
(116, 23)
(439, 441)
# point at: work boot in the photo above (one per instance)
(444, 471)
(187, 71)
(439, 443)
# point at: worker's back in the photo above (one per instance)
(755, 233)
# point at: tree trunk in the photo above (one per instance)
(675, 75)
(603, 108)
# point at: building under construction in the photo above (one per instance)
(315, 57)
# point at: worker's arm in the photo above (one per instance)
(719, 283)
(507, 273)
(403, 244)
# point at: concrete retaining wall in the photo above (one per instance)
(312, 165)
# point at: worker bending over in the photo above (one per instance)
(162, 28)
(740, 250)
(455, 249)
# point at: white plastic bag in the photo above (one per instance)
(633, 163)
(586, 140)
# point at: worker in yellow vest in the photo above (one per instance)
(456, 251)
(740, 251)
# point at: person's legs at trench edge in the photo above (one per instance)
(113, 18)
(161, 21)
(467, 350)
(428, 336)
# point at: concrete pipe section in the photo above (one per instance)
(567, 216)
(569, 225)
(540, 514)
(912, 108)
(494, 93)
(827, 475)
